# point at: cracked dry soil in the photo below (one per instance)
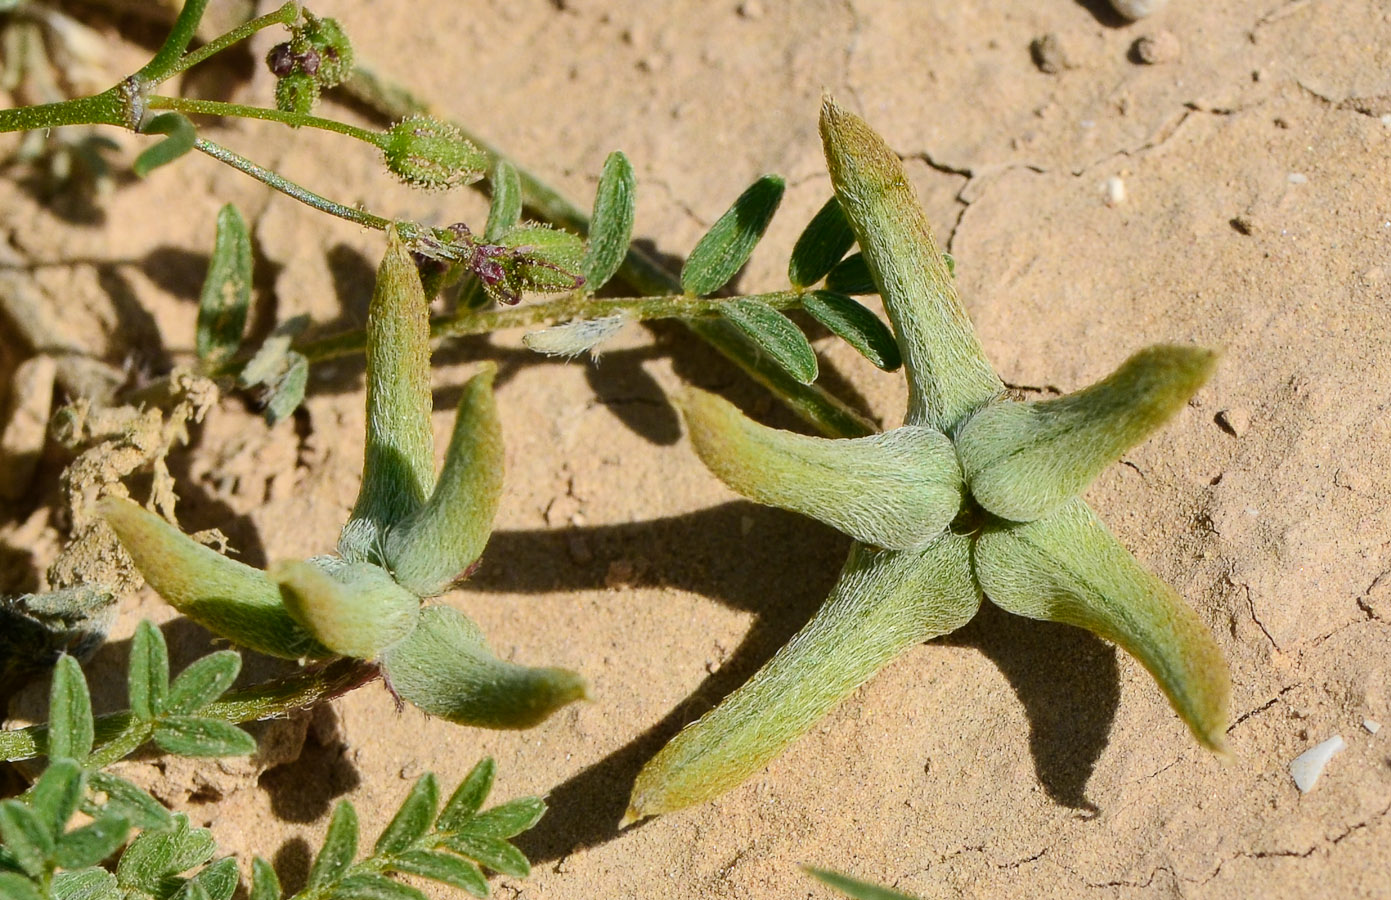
(1013, 759)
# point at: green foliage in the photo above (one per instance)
(724, 249)
(854, 887)
(181, 135)
(409, 537)
(775, 334)
(822, 244)
(160, 856)
(1007, 524)
(611, 225)
(226, 296)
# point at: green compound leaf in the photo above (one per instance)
(1067, 567)
(468, 797)
(218, 881)
(505, 210)
(611, 225)
(127, 801)
(853, 887)
(442, 867)
(437, 544)
(91, 883)
(371, 886)
(14, 886)
(148, 677)
(202, 682)
(57, 794)
(885, 602)
(191, 736)
(154, 859)
(446, 669)
(774, 334)
(180, 140)
(899, 489)
(851, 276)
(848, 320)
(413, 819)
(229, 598)
(827, 238)
(508, 820)
(30, 843)
(492, 853)
(354, 609)
(340, 846)
(948, 374)
(265, 884)
(92, 843)
(1023, 460)
(724, 249)
(70, 725)
(226, 295)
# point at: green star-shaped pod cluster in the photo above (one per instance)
(410, 537)
(976, 496)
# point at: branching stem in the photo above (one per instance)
(285, 15)
(120, 734)
(196, 107)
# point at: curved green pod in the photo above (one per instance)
(948, 374)
(899, 489)
(1069, 568)
(435, 546)
(884, 602)
(353, 609)
(226, 597)
(1023, 460)
(398, 467)
(446, 669)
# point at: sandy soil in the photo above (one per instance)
(1013, 759)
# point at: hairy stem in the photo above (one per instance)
(106, 108)
(827, 413)
(551, 312)
(289, 188)
(119, 734)
(285, 15)
(237, 110)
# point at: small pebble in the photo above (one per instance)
(1372, 727)
(1158, 48)
(1234, 421)
(1049, 55)
(1115, 191)
(751, 9)
(1134, 10)
(1297, 178)
(1308, 766)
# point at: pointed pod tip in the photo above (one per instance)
(630, 818)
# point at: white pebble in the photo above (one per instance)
(1115, 191)
(1138, 9)
(1297, 178)
(1308, 766)
(1372, 727)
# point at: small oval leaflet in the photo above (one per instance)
(727, 245)
(774, 334)
(848, 320)
(611, 226)
(226, 294)
(180, 140)
(851, 276)
(822, 244)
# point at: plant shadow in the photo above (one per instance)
(1066, 679)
